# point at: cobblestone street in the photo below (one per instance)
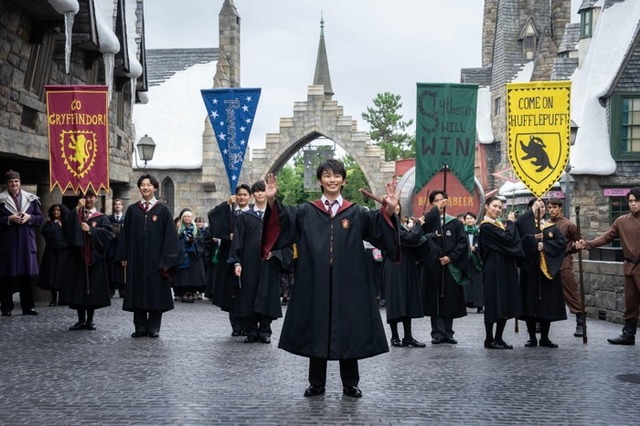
(196, 373)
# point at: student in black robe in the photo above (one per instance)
(259, 295)
(402, 285)
(333, 313)
(89, 234)
(116, 272)
(149, 250)
(53, 267)
(443, 295)
(542, 297)
(225, 284)
(473, 294)
(500, 247)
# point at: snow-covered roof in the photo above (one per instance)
(613, 35)
(524, 75)
(175, 117)
(483, 116)
(65, 6)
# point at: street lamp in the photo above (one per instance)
(567, 184)
(145, 149)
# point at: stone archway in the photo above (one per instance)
(319, 117)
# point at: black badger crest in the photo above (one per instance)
(535, 150)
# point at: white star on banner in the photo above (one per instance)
(222, 124)
(245, 108)
(214, 114)
(248, 98)
(234, 178)
(248, 120)
(215, 101)
(242, 128)
(222, 136)
(242, 142)
(224, 151)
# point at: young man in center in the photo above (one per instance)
(333, 313)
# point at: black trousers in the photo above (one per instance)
(21, 284)
(348, 372)
(257, 325)
(147, 321)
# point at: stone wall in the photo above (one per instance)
(603, 283)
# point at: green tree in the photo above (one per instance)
(355, 181)
(387, 128)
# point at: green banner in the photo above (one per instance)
(446, 132)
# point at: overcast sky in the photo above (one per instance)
(373, 46)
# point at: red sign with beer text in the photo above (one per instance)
(460, 200)
(78, 124)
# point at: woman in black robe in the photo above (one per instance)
(500, 246)
(542, 298)
(53, 267)
(402, 285)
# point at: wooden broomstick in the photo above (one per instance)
(581, 277)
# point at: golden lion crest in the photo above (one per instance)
(79, 150)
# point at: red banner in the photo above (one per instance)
(78, 122)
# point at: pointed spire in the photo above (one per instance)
(322, 76)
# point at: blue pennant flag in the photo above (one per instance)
(231, 113)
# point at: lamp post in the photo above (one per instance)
(145, 147)
(568, 184)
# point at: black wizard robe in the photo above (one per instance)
(540, 283)
(401, 280)
(88, 283)
(222, 283)
(260, 280)
(333, 312)
(53, 267)
(149, 243)
(500, 247)
(443, 293)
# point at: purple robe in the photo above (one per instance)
(18, 251)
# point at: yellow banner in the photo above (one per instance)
(539, 131)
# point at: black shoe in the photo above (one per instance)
(579, 331)
(450, 340)
(352, 391)
(251, 339)
(436, 341)
(487, 344)
(265, 339)
(89, 326)
(6, 313)
(235, 333)
(137, 334)
(396, 342)
(532, 343)
(623, 339)
(314, 391)
(154, 334)
(547, 343)
(30, 311)
(77, 326)
(413, 342)
(500, 344)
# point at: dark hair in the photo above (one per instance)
(533, 200)
(199, 219)
(243, 186)
(331, 165)
(555, 202)
(470, 214)
(259, 186)
(63, 210)
(635, 191)
(492, 199)
(432, 195)
(152, 180)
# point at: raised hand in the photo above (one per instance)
(271, 187)
(391, 196)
